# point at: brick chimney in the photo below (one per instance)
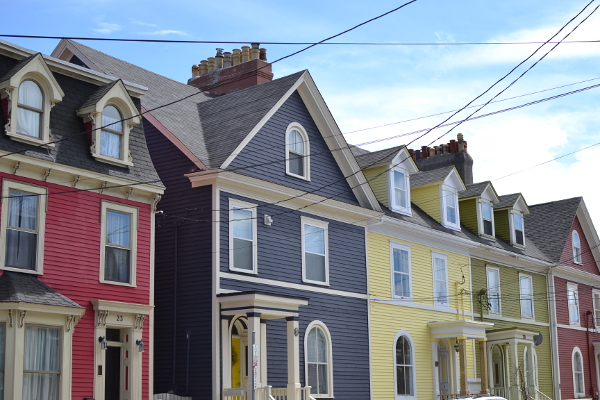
(446, 154)
(241, 69)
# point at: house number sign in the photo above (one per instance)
(119, 318)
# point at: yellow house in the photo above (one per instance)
(423, 337)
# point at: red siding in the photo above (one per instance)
(72, 267)
(588, 263)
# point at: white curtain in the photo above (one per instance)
(28, 121)
(110, 143)
(21, 245)
(42, 354)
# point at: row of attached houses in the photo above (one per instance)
(233, 246)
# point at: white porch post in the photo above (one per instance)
(293, 356)
(226, 351)
(436, 366)
(514, 367)
(253, 340)
(263, 352)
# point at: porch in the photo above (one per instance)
(244, 317)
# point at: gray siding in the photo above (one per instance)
(280, 250)
(347, 321)
(265, 153)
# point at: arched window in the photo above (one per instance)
(404, 366)
(112, 132)
(576, 248)
(319, 370)
(578, 383)
(30, 109)
(297, 153)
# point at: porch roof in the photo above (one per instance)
(520, 335)
(269, 305)
(461, 328)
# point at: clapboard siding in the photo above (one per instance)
(586, 302)
(568, 339)
(193, 287)
(264, 156)
(347, 321)
(468, 214)
(280, 251)
(588, 264)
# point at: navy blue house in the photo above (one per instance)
(260, 272)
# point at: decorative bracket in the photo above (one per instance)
(70, 322)
(16, 167)
(128, 193)
(77, 178)
(155, 202)
(139, 321)
(10, 318)
(47, 174)
(22, 315)
(101, 317)
(104, 185)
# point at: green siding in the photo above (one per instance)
(428, 199)
(379, 183)
(468, 214)
(501, 225)
(510, 308)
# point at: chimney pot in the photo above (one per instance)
(211, 64)
(219, 59)
(245, 54)
(263, 54)
(431, 151)
(203, 67)
(195, 70)
(255, 54)
(417, 154)
(227, 60)
(219, 52)
(236, 58)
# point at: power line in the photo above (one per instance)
(284, 43)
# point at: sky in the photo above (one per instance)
(370, 86)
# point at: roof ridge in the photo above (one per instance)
(557, 201)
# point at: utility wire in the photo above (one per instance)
(284, 43)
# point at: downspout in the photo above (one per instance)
(588, 313)
(175, 272)
(187, 363)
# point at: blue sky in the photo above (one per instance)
(366, 86)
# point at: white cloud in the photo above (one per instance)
(106, 28)
(135, 21)
(165, 32)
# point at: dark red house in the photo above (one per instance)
(564, 231)
(77, 229)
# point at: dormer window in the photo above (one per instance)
(450, 208)
(576, 248)
(487, 218)
(519, 237)
(112, 133)
(399, 191)
(30, 109)
(297, 153)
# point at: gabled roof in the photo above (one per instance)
(19, 66)
(474, 189)
(368, 158)
(16, 287)
(507, 200)
(98, 94)
(433, 176)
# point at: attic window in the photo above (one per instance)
(399, 191)
(450, 208)
(519, 237)
(297, 152)
(487, 218)
(576, 248)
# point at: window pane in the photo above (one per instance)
(116, 266)
(22, 211)
(315, 267)
(29, 122)
(118, 227)
(111, 119)
(242, 224)
(486, 209)
(519, 237)
(518, 220)
(401, 285)
(314, 239)
(30, 95)
(451, 207)
(526, 289)
(295, 142)
(296, 164)
(321, 346)
(21, 249)
(322, 371)
(400, 260)
(243, 254)
(40, 386)
(312, 345)
(313, 380)
(110, 144)
(492, 277)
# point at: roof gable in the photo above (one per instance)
(515, 201)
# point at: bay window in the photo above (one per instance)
(41, 366)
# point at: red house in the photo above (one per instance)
(564, 231)
(76, 233)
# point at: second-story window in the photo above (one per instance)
(440, 279)
(30, 109)
(401, 271)
(488, 218)
(314, 252)
(297, 153)
(576, 248)
(493, 290)
(111, 136)
(518, 229)
(242, 237)
(573, 301)
(596, 298)
(526, 296)
(119, 243)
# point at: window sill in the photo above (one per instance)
(578, 262)
(117, 283)
(315, 283)
(30, 140)
(451, 226)
(486, 236)
(403, 211)
(243, 271)
(521, 246)
(304, 178)
(112, 160)
(22, 270)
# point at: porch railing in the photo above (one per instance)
(514, 393)
(234, 394)
(267, 393)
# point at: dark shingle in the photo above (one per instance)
(474, 189)
(376, 157)
(507, 200)
(10, 73)
(357, 151)
(98, 94)
(435, 175)
(549, 225)
(16, 287)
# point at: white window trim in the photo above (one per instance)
(445, 221)
(392, 192)
(414, 375)
(443, 256)
(37, 71)
(320, 224)
(576, 394)
(407, 248)
(252, 208)
(320, 324)
(573, 287)
(525, 276)
(513, 236)
(596, 305)
(480, 218)
(576, 260)
(487, 268)
(134, 212)
(42, 191)
(298, 127)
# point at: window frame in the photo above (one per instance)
(121, 133)
(306, 157)
(489, 269)
(397, 396)
(401, 247)
(40, 111)
(596, 305)
(60, 355)
(42, 191)
(483, 219)
(233, 203)
(513, 230)
(521, 303)
(125, 209)
(576, 394)
(576, 255)
(320, 224)
(573, 288)
(444, 257)
(392, 191)
(321, 325)
(445, 190)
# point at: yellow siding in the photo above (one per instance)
(378, 184)
(388, 319)
(468, 214)
(501, 225)
(428, 199)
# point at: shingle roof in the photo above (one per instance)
(435, 175)
(376, 157)
(98, 94)
(549, 224)
(357, 151)
(11, 72)
(474, 189)
(16, 287)
(508, 200)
